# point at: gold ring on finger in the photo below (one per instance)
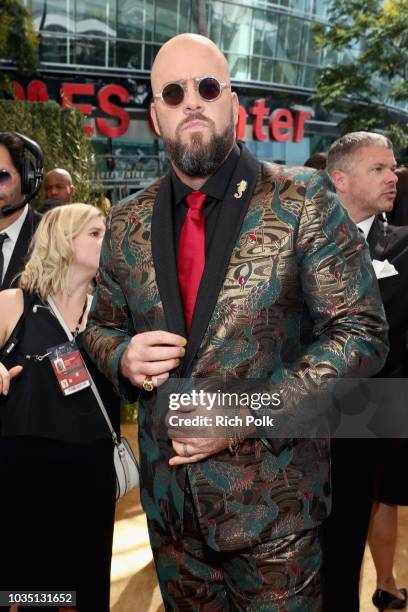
(148, 383)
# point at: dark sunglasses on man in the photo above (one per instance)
(209, 89)
(6, 177)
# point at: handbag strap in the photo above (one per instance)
(65, 327)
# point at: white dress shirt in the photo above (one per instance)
(13, 232)
(365, 225)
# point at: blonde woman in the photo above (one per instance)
(57, 477)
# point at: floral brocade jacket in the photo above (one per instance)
(288, 294)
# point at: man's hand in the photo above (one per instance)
(153, 354)
(209, 439)
(197, 449)
(212, 427)
(6, 376)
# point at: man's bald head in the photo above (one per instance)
(182, 47)
(60, 172)
(198, 132)
(58, 185)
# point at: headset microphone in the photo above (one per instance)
(31, 174)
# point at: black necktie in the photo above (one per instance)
(3, 237)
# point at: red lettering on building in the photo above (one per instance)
(284, 125)
(300, 119)
(280, 124)
(113, 110)
(69, 90)
(18, 91)
(241, 125)
(37, 91)
(259, 111)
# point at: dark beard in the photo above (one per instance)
(197, 159)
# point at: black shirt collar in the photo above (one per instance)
(215, 186)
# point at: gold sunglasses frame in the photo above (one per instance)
(197, 81)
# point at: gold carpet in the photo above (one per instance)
(134, 584)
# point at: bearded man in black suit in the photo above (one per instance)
(365, 472)
(18, 226)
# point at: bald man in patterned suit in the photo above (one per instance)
(209, 275)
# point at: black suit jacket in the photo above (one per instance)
(19, 255)
(391, 242)
(354, 462)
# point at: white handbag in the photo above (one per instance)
(126, 466)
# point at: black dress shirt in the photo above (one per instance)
(215, 188)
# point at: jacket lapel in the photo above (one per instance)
(377, 240)
(20, 250)
(231, 216)
(164, 257)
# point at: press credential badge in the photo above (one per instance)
(69, 367)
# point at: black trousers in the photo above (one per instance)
(345, 531)
(56, 518)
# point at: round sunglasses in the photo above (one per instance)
(6, 177)
(208, 87)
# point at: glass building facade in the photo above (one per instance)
(269, 46)
(265, 42)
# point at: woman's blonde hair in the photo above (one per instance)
(51, 250)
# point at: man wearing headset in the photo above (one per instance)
(19, 182)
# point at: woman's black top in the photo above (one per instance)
(35, 405)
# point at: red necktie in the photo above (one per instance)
(191, 253)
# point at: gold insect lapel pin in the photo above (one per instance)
(241, 188)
